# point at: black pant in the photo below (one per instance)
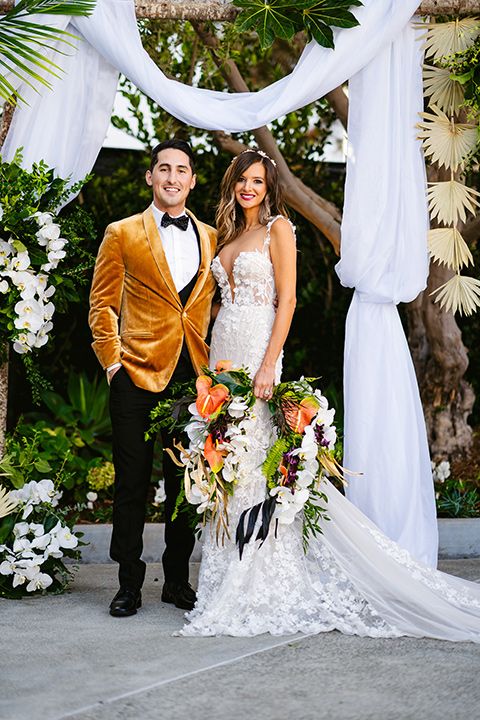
(130, 408)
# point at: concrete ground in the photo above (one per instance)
(65, 657)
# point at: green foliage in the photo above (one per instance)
(274, 458)
(23, 43)
(65, 443)
(283, 19)
(457, 498)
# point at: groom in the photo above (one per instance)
(149, 314)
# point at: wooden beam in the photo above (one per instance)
(224, 12)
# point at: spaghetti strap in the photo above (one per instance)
(266, 242)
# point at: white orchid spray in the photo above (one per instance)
(34, 541)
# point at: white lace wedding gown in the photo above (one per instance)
(352, 578)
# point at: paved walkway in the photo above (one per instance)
(65, 657)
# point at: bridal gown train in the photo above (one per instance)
(352, 578)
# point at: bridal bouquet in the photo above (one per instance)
(215, 414)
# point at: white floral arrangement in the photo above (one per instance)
(34, 310)
(441, 471)
(34, 540)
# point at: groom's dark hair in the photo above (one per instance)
(176, 144)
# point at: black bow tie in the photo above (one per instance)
(179, 222)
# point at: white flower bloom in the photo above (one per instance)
(40, 581)
(20, 544)
(237, 407)
(20, 348)
(288, 503)
(92, 496)
(160, 494)
(442, 471)
(21, 529)
(7, 566)
(4, 286)
(21, 261)
(41, 542)
(45, 218)
(47, 233)
(5, 251)
(196, 433)
(64, 536)
(55, 245)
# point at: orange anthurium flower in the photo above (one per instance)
(300, 417)
(223, 366)
(209, 399)
(212, 455)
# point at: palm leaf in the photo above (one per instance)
(445, 39)
(448, 247)
(23, 43)
(460, 293)
(449, 201)
(6, 504)
(448, 143)
(442, 89)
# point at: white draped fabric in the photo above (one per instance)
(384, 234)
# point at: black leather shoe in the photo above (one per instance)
(180, 593)
(126, 602)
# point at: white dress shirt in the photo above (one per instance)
(181, 251)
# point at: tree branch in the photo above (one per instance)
(321, 213)
(204, 10)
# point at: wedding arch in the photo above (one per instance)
(383, 253)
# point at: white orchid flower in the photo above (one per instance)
(21, 529)
(288, 503)
(20, 544)
(45, 218)
(41, 542)
(66, 538)
(192, 409)
(4, 286)
(40, 581)
(196, 433)
(237, 407)
(48, 232)
(7, 566)
(48, 311)
(55, 245)
(160, 494)
(21, 261)
(5, 251)
(330, 435)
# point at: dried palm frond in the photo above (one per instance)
(449, 201)
(448, 247)
(442, 89)
(447, 142)
(460, 293)
(6, 504)
(445, 39)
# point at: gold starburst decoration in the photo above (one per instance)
(460, 293)
(448, 247)
(450, 201)
(442, 40)
(6, 504)
(442, 89)
(448, 143)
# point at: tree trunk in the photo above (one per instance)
(441, 360)
(214, 10)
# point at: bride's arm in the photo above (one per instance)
(283, 253)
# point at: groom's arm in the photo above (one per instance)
(106, 298)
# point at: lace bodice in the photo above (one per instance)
(253, 277)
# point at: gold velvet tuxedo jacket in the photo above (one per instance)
(132, 284)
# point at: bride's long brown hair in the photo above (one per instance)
(229, 218)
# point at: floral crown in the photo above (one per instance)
(258, 152)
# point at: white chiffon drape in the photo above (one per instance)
(384, 252)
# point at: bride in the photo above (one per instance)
(352, 578)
